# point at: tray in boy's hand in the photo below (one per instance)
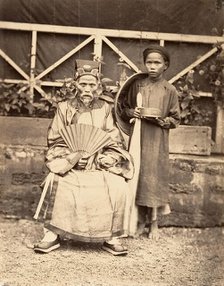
(150, 112)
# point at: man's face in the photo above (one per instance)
(87, 86)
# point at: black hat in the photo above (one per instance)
(157, 49)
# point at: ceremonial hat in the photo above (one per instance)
(86, 67)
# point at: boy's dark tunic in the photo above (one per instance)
(153, 180)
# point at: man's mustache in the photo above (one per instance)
(87, 95)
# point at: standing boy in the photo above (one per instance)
(161, 96)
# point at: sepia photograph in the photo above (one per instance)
(112, 143)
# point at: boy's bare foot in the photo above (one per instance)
(154, 231)
(140, 230)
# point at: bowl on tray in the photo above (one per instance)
(150, 112)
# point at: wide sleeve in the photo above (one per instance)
(111, 128)
(58, 154)
(173, 118)
(123, 164)
(56, 145)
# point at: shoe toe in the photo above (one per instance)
(45, 247)
(115, 249)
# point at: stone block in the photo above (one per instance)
(23, 131)
(196, 191)
(20, 179)
(191, 140)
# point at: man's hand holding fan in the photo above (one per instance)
(83, 141)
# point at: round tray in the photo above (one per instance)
(150, 112)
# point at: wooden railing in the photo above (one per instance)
(100, 36)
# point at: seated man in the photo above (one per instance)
(87, 197)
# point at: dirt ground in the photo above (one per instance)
(182, 257)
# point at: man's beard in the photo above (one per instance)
(86, 99)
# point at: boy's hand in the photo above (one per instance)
(159, 121)
(133, 112)
(155, 120)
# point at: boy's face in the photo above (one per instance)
(87, 86)
(155, 65)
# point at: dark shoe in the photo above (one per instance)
(115, 249)
(46, 247)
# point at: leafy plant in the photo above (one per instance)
(14, 101)
(189, 88)
(47, 105)
(213, 73)
(187, 97)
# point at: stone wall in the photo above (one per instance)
(196, 182)
(196, 190)
(21, 173)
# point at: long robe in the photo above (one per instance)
(90, 204)
(154, 170)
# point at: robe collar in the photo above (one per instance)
(75, 105)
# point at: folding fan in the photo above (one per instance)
(84, 139)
